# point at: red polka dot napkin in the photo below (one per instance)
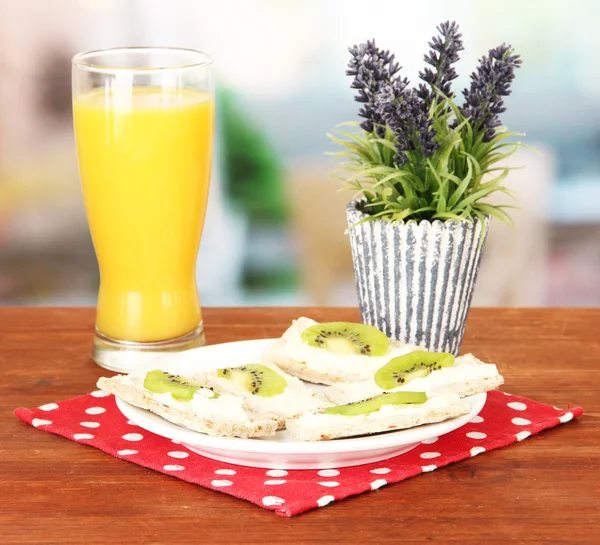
(95, 420)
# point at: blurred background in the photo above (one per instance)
(274, 233)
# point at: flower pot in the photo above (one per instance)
(415, 280)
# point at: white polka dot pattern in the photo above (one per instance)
(501, 422)
(476, 435)
(95, 410)
(428, 455)
(221, 483)
(99, 393)
(272, 500)
(325, 500)
(328, 472)
(90, 424)
(133, 437)
(37, 422)
(277, 473)
(177, 454)
(381, 470)
(566, 417)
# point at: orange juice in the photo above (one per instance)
(144, 159)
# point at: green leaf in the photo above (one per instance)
(497, 212)
(441, 191)
(448, 216)
(462, 188)
(477, 195)
(481, 218)
(386, 143)
(369, 172)
(477, 171)
(348, 124)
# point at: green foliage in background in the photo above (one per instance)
(252, 170)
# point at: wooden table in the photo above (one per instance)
(545, 490)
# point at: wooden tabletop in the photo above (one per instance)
(543, 490)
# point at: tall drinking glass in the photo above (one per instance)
(144, 121)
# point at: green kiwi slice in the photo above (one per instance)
(373, 404)
(257, 379)
(401, 370)
(181, 388)
(347, 338)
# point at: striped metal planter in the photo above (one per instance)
(415, 280)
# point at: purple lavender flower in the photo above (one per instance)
(489, 83)
(407, 116)
(444, 53)
(372, 69)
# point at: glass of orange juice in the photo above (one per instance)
(144, 120)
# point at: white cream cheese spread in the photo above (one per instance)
(297, 398)
(466, 368)
(204, 404)
(441, 401)
(353, 366)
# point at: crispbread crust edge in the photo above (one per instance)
(276, 355)
(464, 388)
(136, 397)
(357, 426)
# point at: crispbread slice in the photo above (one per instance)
(258, 427)
(464, 388)
(321, 427)
(475, 386)
(281, 407)
(278, 355)
(211, 380)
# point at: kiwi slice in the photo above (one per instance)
(373, 404)
(181, 388)
(403, 369)
(347, 338)
(256, 379)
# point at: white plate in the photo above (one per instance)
(279, 451)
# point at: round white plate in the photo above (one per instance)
(279, 451)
